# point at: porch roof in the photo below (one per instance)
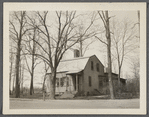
(74, 72)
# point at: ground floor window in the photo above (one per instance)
(100, 83)
(60, 82)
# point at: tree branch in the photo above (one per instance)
(101, 40)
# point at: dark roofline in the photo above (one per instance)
(112, 73)
(117, 75)
(98, 60)
(120, 78)
(123, 79)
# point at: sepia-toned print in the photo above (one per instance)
(75, 59)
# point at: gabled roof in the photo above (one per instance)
(70, 65)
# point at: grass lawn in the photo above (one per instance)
(36, 101)
(74, 104)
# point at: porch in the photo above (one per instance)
(72, 82)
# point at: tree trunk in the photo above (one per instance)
(17, 91)
(20, 76)
(10, 85)
(32, 76)
(43, 84)
(139, 23)
(10, 77)
(31, 85)
(14, 84)
(22, 80)
(81, 48)
(52, 85)
(33, 63)
(18, 56)
(110, 75)
(119, 83)
(109, 55)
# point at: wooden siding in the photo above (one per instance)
(94, 75)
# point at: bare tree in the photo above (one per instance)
(18, 29)
(31, 70)
(133, 80)
(13, 85)
(11, 59)
(135, 67)
(123, 42)
(105, 19)
(31, 48)
(54, 43)
(22, 78)
(86, 33)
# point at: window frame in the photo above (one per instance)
(97, 67)
(100, 81)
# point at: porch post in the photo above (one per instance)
(76, 82)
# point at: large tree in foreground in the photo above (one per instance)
(17, 29)
(11, 60)
(105, 19)
(55, 38)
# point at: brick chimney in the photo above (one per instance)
(76, 53)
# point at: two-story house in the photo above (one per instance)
(82, 75)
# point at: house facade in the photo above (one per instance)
(84, 75)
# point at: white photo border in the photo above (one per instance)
(75, 6)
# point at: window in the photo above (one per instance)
(100, 83)
(67, 82)
(57, 82)
(89, 80)
(92, 65)
(97, 67)
(62, 80)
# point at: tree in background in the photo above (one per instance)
(124, 41)
(17, 29)
(86, 34)
(133, 84)
(31, 48)
(11, 60)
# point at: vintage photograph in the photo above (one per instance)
(74, 59)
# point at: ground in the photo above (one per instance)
(73, 104)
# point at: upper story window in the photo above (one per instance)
(90, 81)
(97, 67)
(92, 65)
